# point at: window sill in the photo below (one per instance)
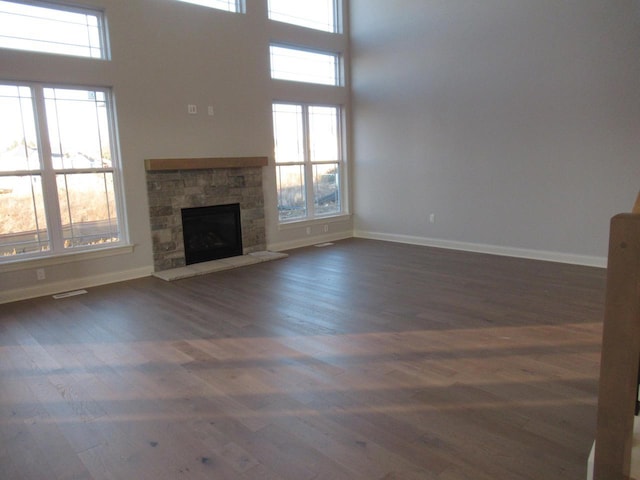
(35, 262)
(345, 217)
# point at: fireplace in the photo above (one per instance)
(211, 232)
(176, 184)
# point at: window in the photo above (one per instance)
(317, 14)
(59, 183)
(308, 160)
(227, 5)
(309, 137)
(52, 29)
(304, 66)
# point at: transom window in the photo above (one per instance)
(52, 28)
(304, 66)
(308, 157)
(227, 5)
(317, 14)
(59, 181)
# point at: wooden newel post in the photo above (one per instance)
(618, 388)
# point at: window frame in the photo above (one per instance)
(48, 174)
(105, 51)
(308, 164)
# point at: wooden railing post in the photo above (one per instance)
(618, 389)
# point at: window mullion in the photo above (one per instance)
(342, 148)
(49, 185)
(308, 167)
(117, 173)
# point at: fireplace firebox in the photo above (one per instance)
(211, 232)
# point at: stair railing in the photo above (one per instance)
(620, 358)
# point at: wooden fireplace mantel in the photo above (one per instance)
(160, 164)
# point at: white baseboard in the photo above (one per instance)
(308, 241)
(590, 261)
(17, 294)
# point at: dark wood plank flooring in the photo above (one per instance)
(363, 360)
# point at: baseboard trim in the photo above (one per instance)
(77, 283)
(586, 260)
(96, 280)
(308, 241)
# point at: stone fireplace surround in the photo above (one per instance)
(174, 184)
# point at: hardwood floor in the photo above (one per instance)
(362, 360)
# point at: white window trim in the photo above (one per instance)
(295, 224)
(102, 27)
(311, 216)
(339, 67)
(54, 223)
(240, 5)
(15, 264)
(337, 20)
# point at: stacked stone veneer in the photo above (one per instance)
(171, 191)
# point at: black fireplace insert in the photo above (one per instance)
(211, 232)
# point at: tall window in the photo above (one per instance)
(227, 5)
(52, 28)
(317, 14)
(59, 189)
(308, 157)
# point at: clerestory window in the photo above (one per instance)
(300, 65)
(53, 28)
(236, 6)
(316, 14)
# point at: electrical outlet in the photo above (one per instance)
(432, 218)
(40, 274)
(192, 109)
(308, 230)
(210, 110)
(326, 228)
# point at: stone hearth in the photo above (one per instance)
(199, 183)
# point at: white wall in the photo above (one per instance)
(514, 121)
(167, 54)
(517, 122)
